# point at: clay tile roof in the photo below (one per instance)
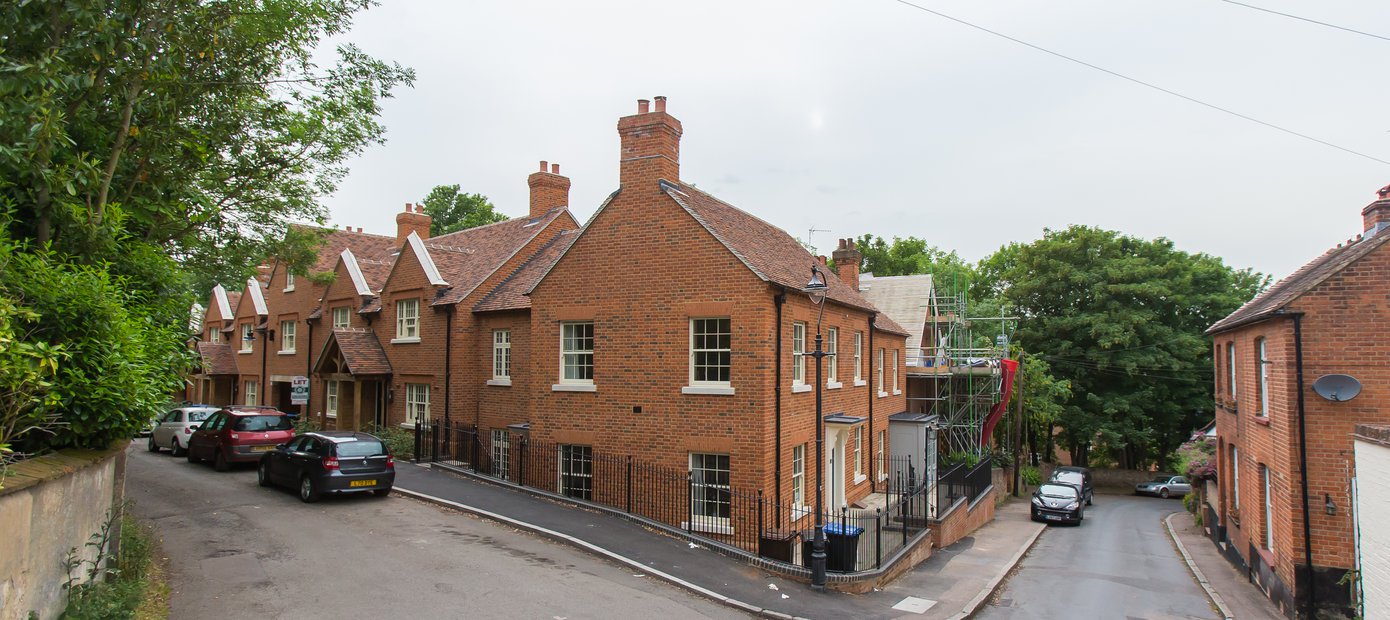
(217, 358)
(1305, 279)
(467, 257)
(885, 323)
(766, 249)
(362, 352)
(373, 305)
(511, 293)
(232, 298)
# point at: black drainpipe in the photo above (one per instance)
(778, 300)
(309, 370)
(873, 475)
(1303, 458)
(448, 350)
(265, 381)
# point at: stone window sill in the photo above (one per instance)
(500, 382)
(801, 388)
(860, 383)
(405, 340)
(289, 352)
(573, 387)
(708, 390)
(882, 394)
(1262, 420)
(833, 385)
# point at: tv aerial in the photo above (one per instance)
(1337, 388)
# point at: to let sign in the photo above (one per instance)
(299, 391)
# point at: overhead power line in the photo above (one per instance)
(1305, 19)
(1142, 82)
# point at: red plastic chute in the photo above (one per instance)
(1009, 369)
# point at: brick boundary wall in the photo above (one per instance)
(962, 518)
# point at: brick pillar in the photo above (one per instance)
(651, 143)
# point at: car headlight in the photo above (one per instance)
(1037, 502)
(1073, 505)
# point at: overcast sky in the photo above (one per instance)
(869, 116)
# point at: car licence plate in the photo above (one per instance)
(362, 483)
(262, 448)
(1052, 517)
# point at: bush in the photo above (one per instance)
(1032, 476)
(400, 441)
(970, 459)
(1197, 458)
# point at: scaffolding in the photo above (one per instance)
(960, 361)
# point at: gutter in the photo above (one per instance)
(873, 395)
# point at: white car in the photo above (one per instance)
(175, 427)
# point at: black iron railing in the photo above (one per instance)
(701, 502)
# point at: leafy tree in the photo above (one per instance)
(1121, 320)
(1044, 399)
(452, 210)
(202, 127)
(151, 148)
(911, 255)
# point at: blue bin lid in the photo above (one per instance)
(843, 530)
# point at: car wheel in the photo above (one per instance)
(219, 461)
(154, 447)
(176, 448)
(263, 474)
(382, 492)
(307, 493)
(1163, 493)
(1089, 498)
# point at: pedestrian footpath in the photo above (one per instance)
(1228, 588)
(951, 584)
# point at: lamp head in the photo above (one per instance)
(816, 287)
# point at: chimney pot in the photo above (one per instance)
(347, 227)
(847, 260)
(660, 103)
(548, 189)
(359, 229)
(1376, 216)
(543, 165)
(413, 220)
(407, 207)
(554, 168)
(642, 106)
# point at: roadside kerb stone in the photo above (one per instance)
(1197, 572)
(972, 607)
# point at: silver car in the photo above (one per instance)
(1164, 486)
(174, 429)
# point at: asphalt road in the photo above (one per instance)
(1118, 564)
(237, 550)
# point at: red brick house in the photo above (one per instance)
(1285, 459)
(673, 328)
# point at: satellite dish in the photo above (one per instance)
(1337, 387)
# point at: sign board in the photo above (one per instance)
(299, 391)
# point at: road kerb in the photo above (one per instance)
(590, 547)
(980, 599)
(1197, 572)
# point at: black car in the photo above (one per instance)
(1080, 477)
(330, 462)
(1058, 502)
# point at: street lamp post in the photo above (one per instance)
(816, 290)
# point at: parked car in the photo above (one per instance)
(1164, 486)
(1078, 476)
(173, 429)
(1058, 502)
(239, 435)
(330, 462)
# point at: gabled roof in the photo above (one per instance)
(217, 358)
(233, 298)
(257, 297)
(767, 250)
(1305, 279)
(422, 255)
(361, 352)
(903, 299)
(359, 281)
(223, 302)
(511, 293)
(468, 257)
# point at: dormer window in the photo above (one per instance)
(289, 282)
(247, 338)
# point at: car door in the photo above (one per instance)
(1181, 485)
(200, 444)
(306, 458)
(280, 466)
(165, 431)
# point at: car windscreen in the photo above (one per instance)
(1160, 479)
(262, 423)
(198, 416)
(361, 447)
(1058, 490)
(1068, 476)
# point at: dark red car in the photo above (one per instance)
(239, 435)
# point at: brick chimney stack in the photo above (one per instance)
(1377, 214)
(548, 189)
(847, 260)
(412, 219)
(651, 144)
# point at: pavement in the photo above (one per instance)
(953, 583)
(1228, 587)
